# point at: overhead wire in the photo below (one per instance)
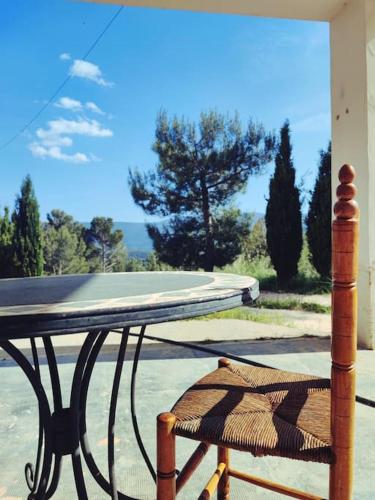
(62, 85)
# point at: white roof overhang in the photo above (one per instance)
(314, 10)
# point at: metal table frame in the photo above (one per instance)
(63, 430)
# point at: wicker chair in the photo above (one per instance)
(266, 411)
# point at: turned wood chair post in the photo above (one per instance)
(166, 457)
(344, 335)
(223, 457)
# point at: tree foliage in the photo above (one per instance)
(64, 246)
(318, 220)
(283, 213)
(255, 246)
(59, 246)
(200, 169)
(182, 244)
(106, 250)
(6, 245)
(27, 236)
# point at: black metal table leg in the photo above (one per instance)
(64, 431)
(108, 486)
(132, 405)
(36, 482)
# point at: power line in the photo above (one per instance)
(62, 85)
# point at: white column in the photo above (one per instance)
(353, 136)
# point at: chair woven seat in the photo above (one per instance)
(259, 410)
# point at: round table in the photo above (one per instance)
(97, 304)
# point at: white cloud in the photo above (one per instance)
(55, 152)
(57, 140)
(91, 106)
(89, 71)
(90, 128)
(65, 56)
(51, 140)
(69, 103)
(75, 105)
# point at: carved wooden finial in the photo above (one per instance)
(346, 207)
(346, 174)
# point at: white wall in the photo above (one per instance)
(318, 10)
(353, 135)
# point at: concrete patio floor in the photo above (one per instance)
(163, 374)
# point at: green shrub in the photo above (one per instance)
(307, 280)
(292, 304)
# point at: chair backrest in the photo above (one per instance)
(345, 229)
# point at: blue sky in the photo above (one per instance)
(79, 150)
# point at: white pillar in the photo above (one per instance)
(353, 136)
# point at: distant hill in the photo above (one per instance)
(136, 238)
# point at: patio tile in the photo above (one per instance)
(163, 374)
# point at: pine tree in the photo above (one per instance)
(318, 220)
(283, 213)
(107, 252)
(255, 246)
(64, 247)
(6, 245)
(27, 238)
(201, 168)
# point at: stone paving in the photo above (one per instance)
(163, 374)
(322, 299)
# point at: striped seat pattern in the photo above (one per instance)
(259, 410)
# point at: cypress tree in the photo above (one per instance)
(283, 213)
(27, 232)
(6, 245)
(318, 220)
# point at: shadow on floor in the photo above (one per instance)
(158, 350)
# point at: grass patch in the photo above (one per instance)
(248, 314)
(302, 284)
(293, 305)
(307, 282)
(316, 308)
